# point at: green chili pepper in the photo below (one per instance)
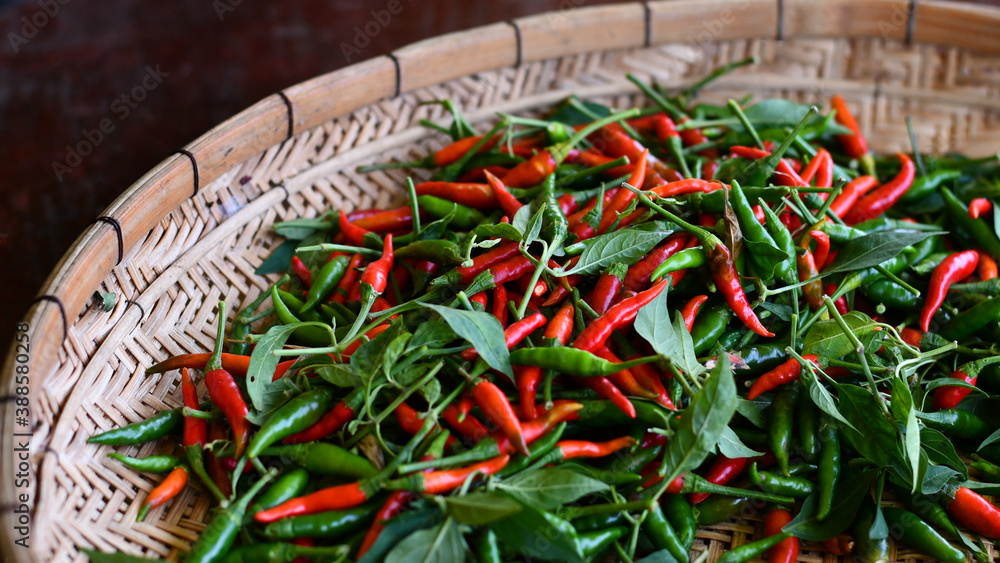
(325, 281)
(973, 320)
(980, 232)
(925, 186)
(294, 416)
(485, 546)
(463, 218)
(680, 514)
(829, 466)
(153, 428)
(539, 449)
(308, 335)
(892, 295)
(218, 537)
(684, 260)
(785, 269)
(288, 486)
(752, 437)
(729, 339)
(605, 413)
(927, 508)
(594, 543)
(989, 471)
(795, 487)
(910, 530)
(444, 252)
(759, 243)
(571, 361)
(709, 326)
(330, 525)
(957, 424)
(807, 417)
(751, 550)
(599, 521)
(326, 459)
(283, 553)
(780, 423)
(150, 464)
(867, 548)
(761, 358)
(662, 535)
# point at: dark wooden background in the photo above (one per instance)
(65, 66)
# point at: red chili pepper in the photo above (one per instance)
(508, 203)
(613, 141)
(912, 337)
(354, 234)
(664, 127)
(787, 550)
(369, 335)
(195, 429)
(513, 334)
(570, 449)
(215, 466)
(166, 490)
(624, 379)
(567, 203)
(649, 378)
(822, 247)
(475, 195)
(223, 390)
(841, 302)
(479, 298)
(301, 271)
(521, 285)
(854, 144)
(361, 213)
(531, 172)
(852, 192)
(494, 404)
(840, 545)
(987, 268)
(976, 513)
(885, 196)
(593, 157)
(341, 414)
(787, 372)
(784, 173)
(686, 186)
(396, 503)
(349, 281)
(727, 280)
(468, 426)
(339, 497)
(637, 277)
(528, 377)
(496, 255)
(604, 293)
(376, 274)
(233, 363)
(722, 471)
(980, 207)
(387, 221)
(606, 389)
(511, 270)
(439, 482)
(624, 197)
(952, 269)
(621, 313)
(690, 310)
(950, 396)
(500, 310)
(453, 152)
(821, 166)
(813, 290)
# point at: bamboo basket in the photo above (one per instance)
(193, 229)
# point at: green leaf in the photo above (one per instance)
(398, 528)
(102, 557)
(538, 534)
(369, 358)
(478, 509)
(302, 228)
(753, 410)
(873, 436)
(827, 340)
(551, 487)
(520, 220)
(990, 439)
(902, 408)
(775, 113)
(443, 543)
(533, 228)
(732, 447)
(936, 477)
(277, 394)
(433, 334)
(483, 331)
(341, 375)
(671, 341)
(279, 259)
(702, 422)
(570, 115)
(940, 450)
(627, 246)
(263, 362)
(501, 230)
(661, 556)
(873, 249)
(851, 489)
(822, 398)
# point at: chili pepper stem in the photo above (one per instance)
(330, 247)
(738, 112)
(707, 239)
(859, 348)
(608, 508)
(682, 379)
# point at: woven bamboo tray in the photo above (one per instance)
(192, 230)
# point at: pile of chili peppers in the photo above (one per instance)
(587, 334)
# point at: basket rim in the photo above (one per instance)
(303, 106)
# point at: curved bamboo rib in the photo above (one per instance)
(296, 111)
